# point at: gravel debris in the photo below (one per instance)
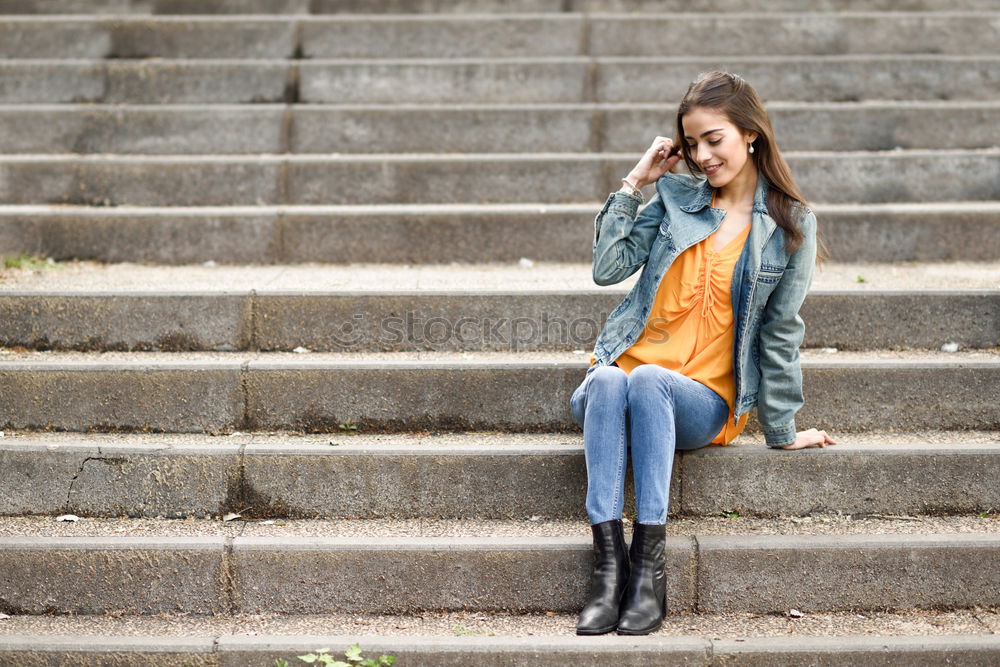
(89, 276)
(316, 358)
(825, 524)
(981, 621)
(443, 439)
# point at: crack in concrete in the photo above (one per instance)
(244, 424)
(982, 622)
(69, 492)
(696, 593)
(228, 576)
(253, 344)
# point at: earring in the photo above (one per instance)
(751, 149)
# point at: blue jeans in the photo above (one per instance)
(653, 411)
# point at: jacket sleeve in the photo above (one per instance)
(622, 240)
(781, 333)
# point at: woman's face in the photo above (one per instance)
(716, 145)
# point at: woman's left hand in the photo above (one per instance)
(810, 438)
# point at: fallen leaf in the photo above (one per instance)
(67, 517)
(795, 613)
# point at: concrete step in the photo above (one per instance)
(497, 36)
(147, 81)
(474, 476)
(85, 7)
(690, 34)
(469, 627)
(84, 306)
(550, 128)
(413, 391)
(451, 651)
(466, 6)
(421, 234)
(848, 78)
(100, 180)
(273, 570)
(175, 37)
(642, 79)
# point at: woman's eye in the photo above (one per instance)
(715, 142)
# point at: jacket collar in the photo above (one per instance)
(699, 196)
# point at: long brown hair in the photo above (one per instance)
(732, 96)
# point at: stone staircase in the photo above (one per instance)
(273, 222)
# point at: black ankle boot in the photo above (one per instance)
(600, 615)
(645, 601)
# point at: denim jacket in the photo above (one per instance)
(767, 289)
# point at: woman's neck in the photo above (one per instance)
(740, 190)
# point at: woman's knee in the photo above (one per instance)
(649, 377)
(606, 378)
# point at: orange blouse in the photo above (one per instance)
(690, 326)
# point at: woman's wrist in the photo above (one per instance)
(631, 192)
(637, 182)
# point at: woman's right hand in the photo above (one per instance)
(654, 163)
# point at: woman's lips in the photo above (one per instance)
(711, 170)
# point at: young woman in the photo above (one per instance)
(710, 330)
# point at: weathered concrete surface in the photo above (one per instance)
(377, 482)
(319, 392)
(502, 651)
(833, 178)
(630, 35)
(443, 36)
(123, 321)
(416, 235)
(401, 575)
(846, 478)
(160, 236)
(887, 320)
(304, 396)
(423, 321)
(567, 321)
(978, 650)
(313, 395)
(155, 7)
(37, 481)
(242, 651)
(458, 321)
(282, 7)
(116, 181)
(645, 6)
(893, 234)
(185, 398)
(508, 128)
(107, 575)
(505, 481)
(144, 81)
(627, 127)
(765, 574)
(177, 481)
(149, 130)
(93, 37)
(654, 79)
(308, 575)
